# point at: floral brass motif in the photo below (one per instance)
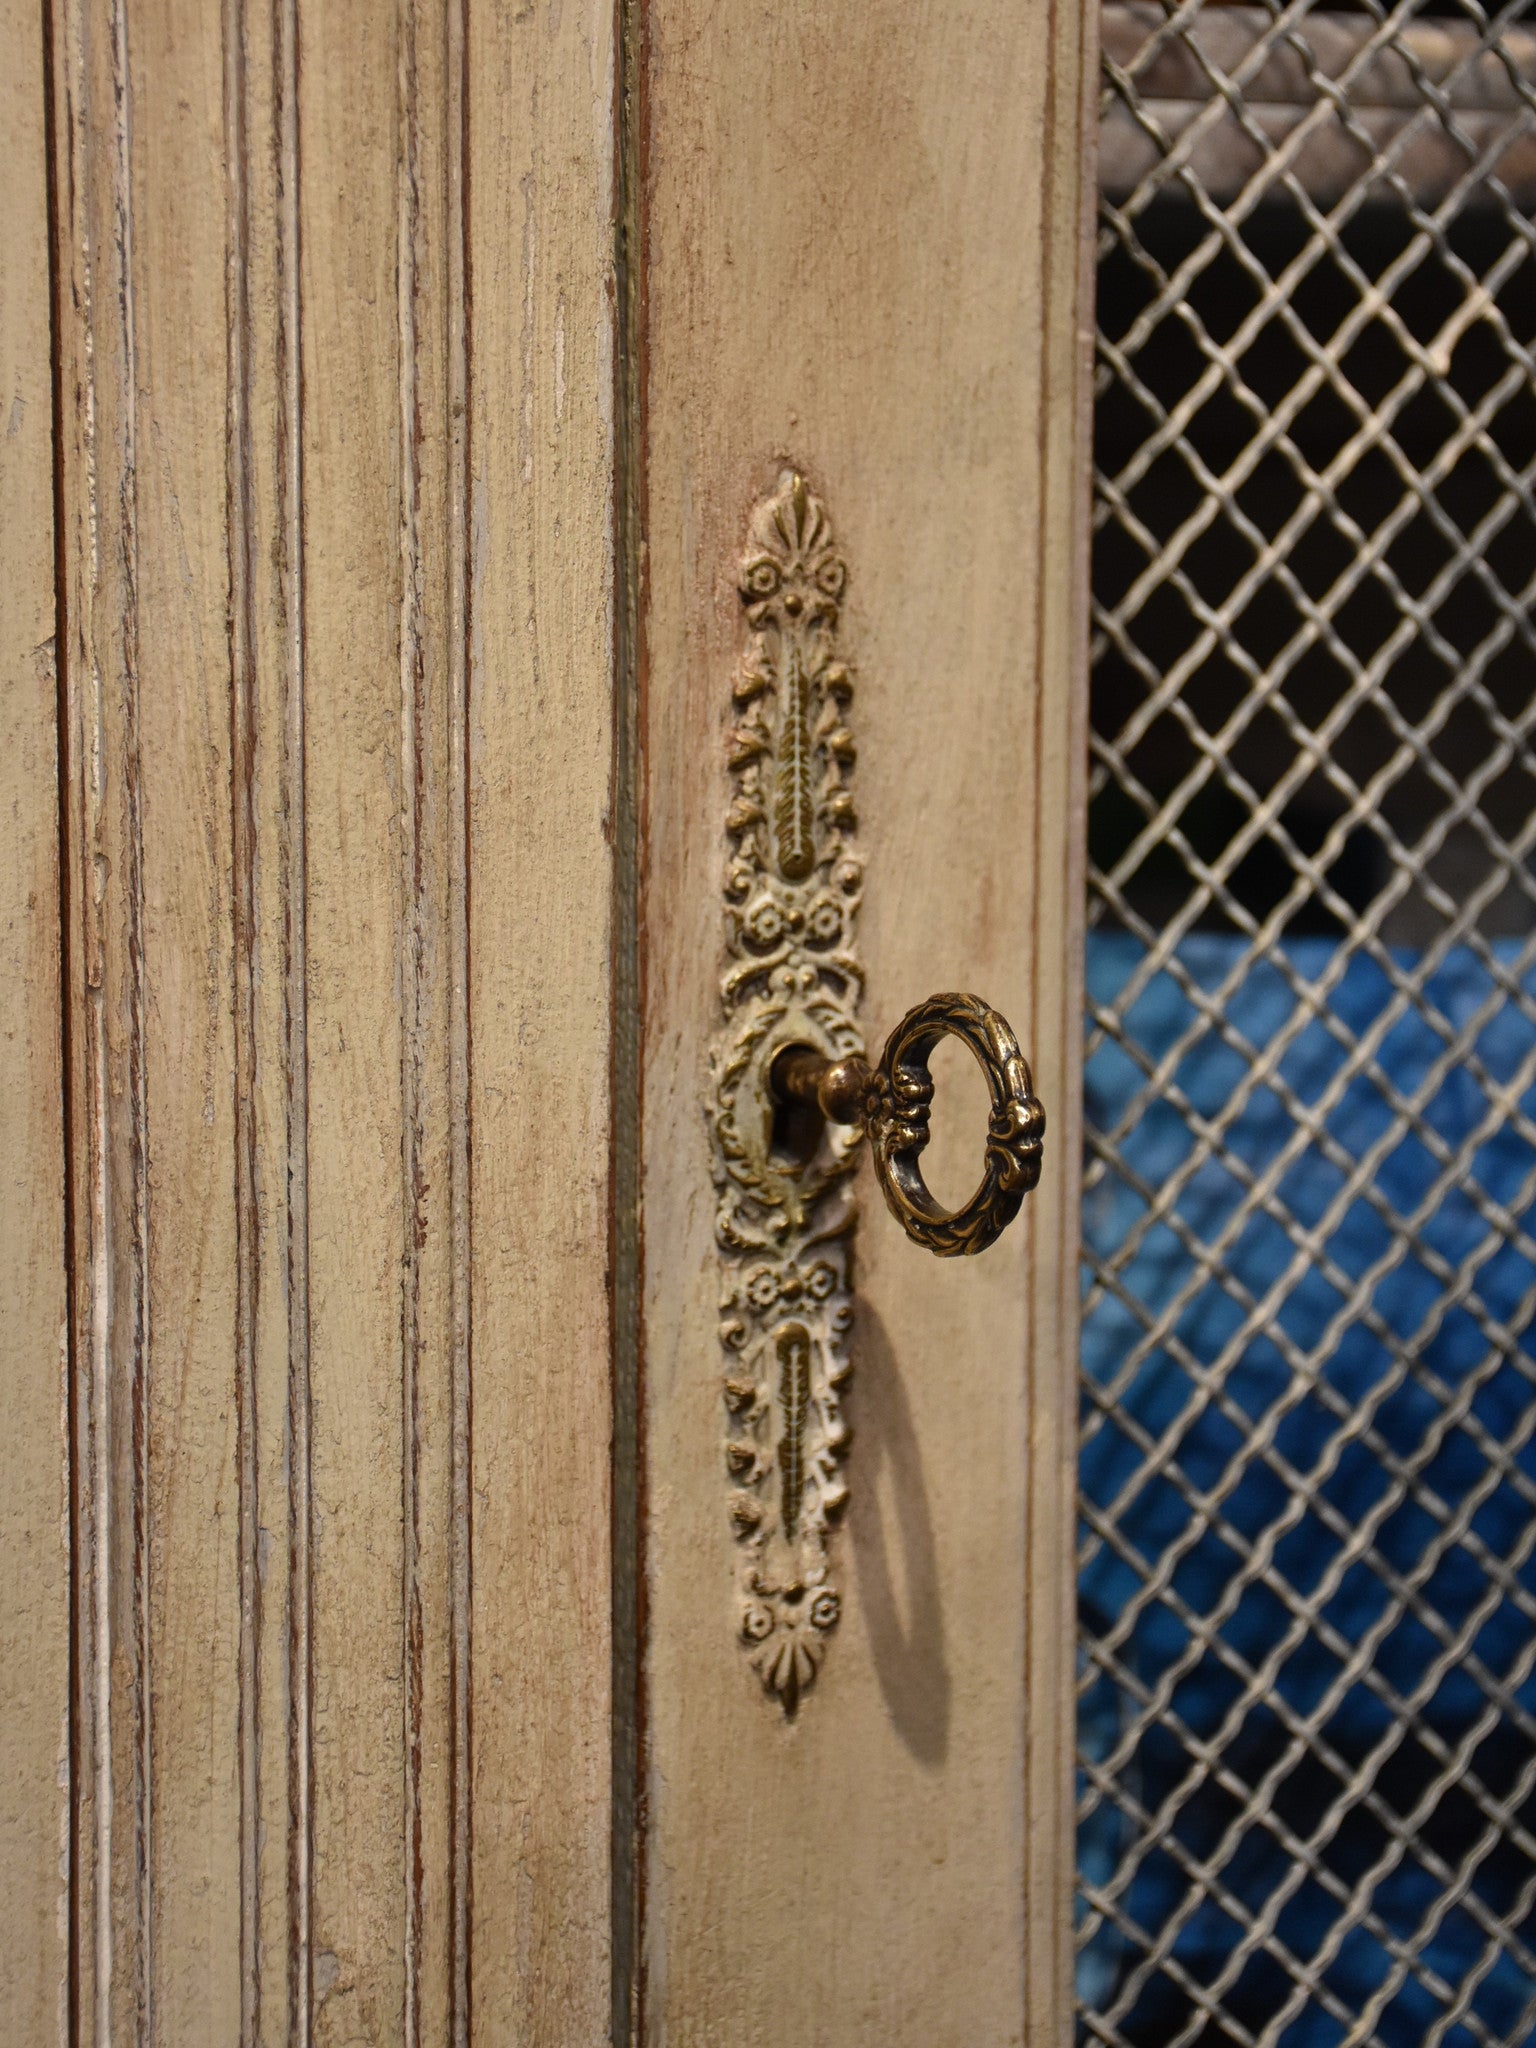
(792, 1095)
(792, 887)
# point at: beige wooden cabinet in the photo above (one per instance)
(388, 392)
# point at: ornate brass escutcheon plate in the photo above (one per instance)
(792, 886)
(792, 1093)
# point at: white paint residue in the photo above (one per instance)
(530, 268)
(560, 359)
(479, 534)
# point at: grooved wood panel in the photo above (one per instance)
(541, 138)
(34, 1501)
(182, 1487)
(414, 367)
(863, 256)
(337, 713)
(355, 805)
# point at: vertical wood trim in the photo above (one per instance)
(1059, 811)
(293, 886)
(434, 880)
(626, 1209)
(160, 1354)
(539, 200)
(460, 1063)
(138, 1737)
(415, 769)
(281, 1681)
(104, 921)
(356, 810)
(269, 943)
(34, 1457)
(239, 519)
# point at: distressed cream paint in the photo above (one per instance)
(386, 389)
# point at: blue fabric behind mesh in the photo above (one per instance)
(1471, 1371)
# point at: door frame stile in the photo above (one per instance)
(626, 1207)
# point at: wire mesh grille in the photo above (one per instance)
(1308, 1469)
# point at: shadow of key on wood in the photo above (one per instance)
(906, 1630)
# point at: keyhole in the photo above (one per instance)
(795, 1134)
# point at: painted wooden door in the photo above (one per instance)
(390, 392)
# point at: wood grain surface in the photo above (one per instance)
(385, 391)
(34, 1496)
(541, 709)
(863, 256)
(338, 624)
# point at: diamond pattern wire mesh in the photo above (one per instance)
(1307, 1583)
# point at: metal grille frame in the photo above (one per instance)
(1315, 566)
